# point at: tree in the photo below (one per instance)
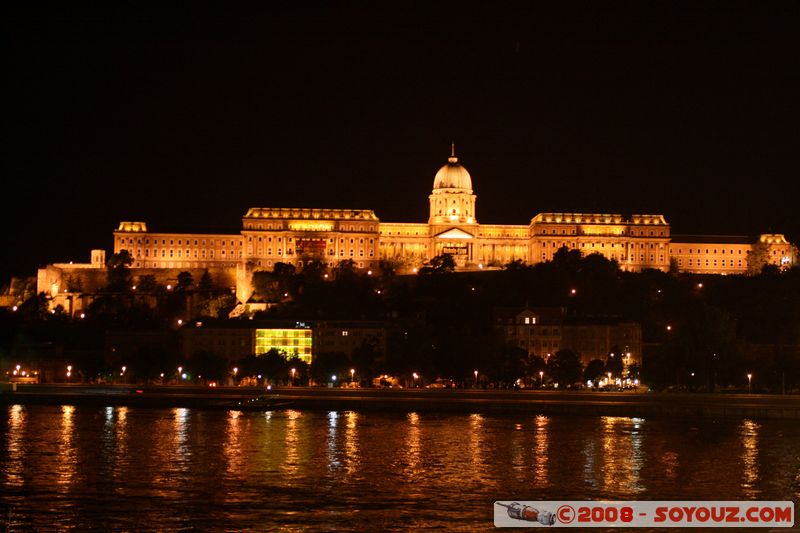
(185, 281)
(327, 364)
(508, 363)
(119, 273)
(207, 365)
(365, 357)
(516, 265)
(565, 367)
(674, 268)
(344, 270)
(595, 369)
(271, 365)
(757, 257)
(300, 370)
(614, 362)
(567, 260)
(314, 270)
(206, 285)
(147, 283)
(441, 264)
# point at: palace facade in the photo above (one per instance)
(298, 235)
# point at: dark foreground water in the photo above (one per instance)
(131, 469)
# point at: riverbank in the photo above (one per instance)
(432, 400)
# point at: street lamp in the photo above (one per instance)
(749, 383)
(414, 376)
(541, 378)
(293, 371)
(476, 379)
(352, 371)
(69, 371)
(235, 371)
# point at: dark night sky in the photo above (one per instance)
(184, 118)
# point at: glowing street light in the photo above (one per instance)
(415, 376)
(749, 383)
(69, 371)
(476, 378)
(669, 327)
(352, 371)
(541, 378)
(293, 372)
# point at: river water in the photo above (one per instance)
(133, 469)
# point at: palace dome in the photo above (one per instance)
(452, 176)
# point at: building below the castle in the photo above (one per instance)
(298, 235)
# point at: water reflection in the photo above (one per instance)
(749, 436)
(412, 446)
(15, 449)
(115, 440)
(67, 454)
(669, 460)
(541, 459)
(232, 449)
(351, 452)
(476, 447)
(621, 443)
(246, 471)
(332, 449)
(291, 464)
(589, 451)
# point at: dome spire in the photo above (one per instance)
(452, 159)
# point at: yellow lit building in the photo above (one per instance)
(298, 235)
(235, 340)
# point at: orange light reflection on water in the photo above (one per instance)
(16, 445)
(291, 464)
(748, 434)
(412, 447)
(351, 450)
(67, 454)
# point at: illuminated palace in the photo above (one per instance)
(299, 235)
